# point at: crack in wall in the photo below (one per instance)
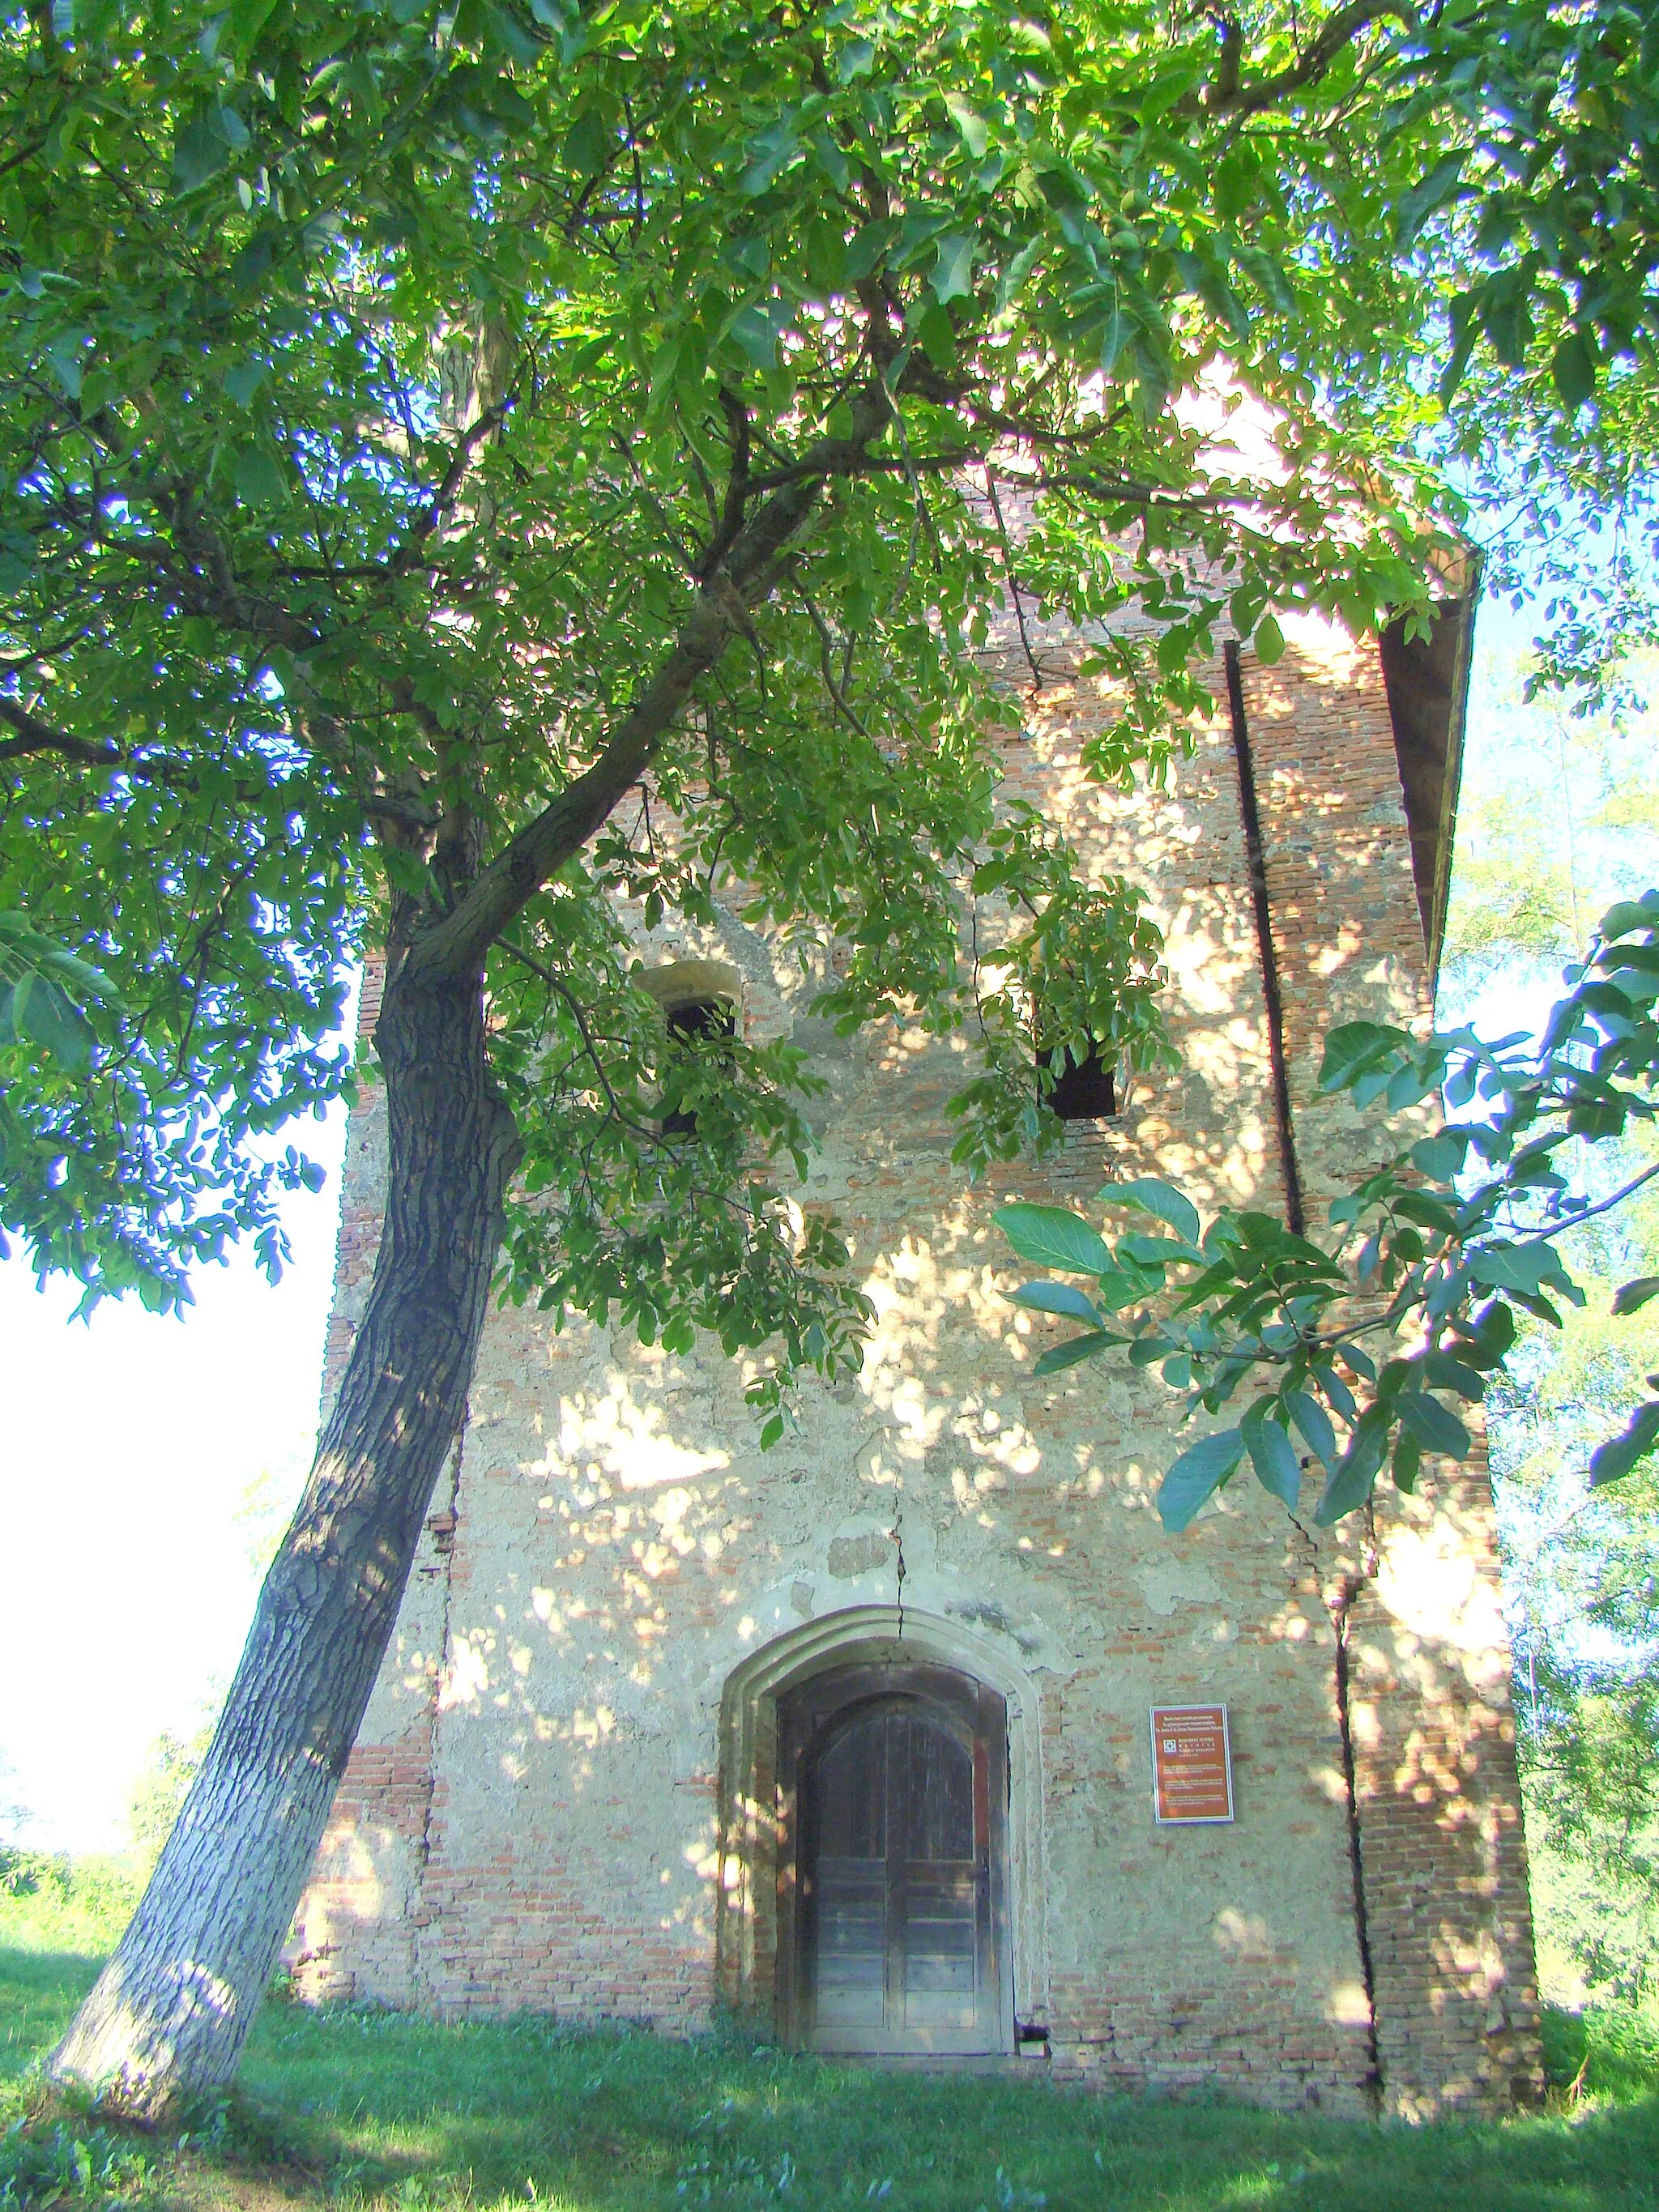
(1255, 857)
(1340, 1609)
(897, 1532)
(443, 1526)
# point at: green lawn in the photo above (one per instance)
(365, 2105)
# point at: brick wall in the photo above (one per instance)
(544, 1808)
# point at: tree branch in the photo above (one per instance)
(456, 946)
(1128, 492)
(1012, 580)
(443, 499)
(740, 487)
(826, 661)
(872, 465)
(34, 736)
(1341, 30)
(1588, 1213)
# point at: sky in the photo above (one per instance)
(133, 1445)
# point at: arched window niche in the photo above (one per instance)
(919, 1695)
(701, 1002)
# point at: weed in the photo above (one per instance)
(393, 2113)
(39, 2166)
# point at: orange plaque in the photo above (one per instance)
(1192, 1765)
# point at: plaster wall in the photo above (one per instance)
(560, 1794)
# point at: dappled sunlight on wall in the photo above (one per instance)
(563, 1795)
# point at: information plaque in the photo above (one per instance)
(1192, 1766)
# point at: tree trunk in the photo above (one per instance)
(171, 2011)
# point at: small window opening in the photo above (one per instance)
(698, 1021)
(1085, 1090)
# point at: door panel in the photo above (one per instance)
(850, 1982)
(895, 1923)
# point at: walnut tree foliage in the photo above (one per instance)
(1355, 1353)
(387, 392)
(480, 475)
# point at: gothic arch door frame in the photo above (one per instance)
(893, 1919)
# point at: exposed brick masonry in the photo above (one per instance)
(562, 1795)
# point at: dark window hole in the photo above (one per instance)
(699, 1021)
(1085, 1090)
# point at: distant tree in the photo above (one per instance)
(170, 1766)
(466, 467)
(13, 1816)
(1558, 816)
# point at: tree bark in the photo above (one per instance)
(170, 2013)
(168, 2016)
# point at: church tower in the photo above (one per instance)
(916, 1735)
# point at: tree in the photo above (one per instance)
(1360, 1342)
(1579, 1561)
(15, 1862)
(428, 431)
(160, 1789)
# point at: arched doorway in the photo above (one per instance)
(893, 1919)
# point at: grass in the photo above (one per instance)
(373, 2107)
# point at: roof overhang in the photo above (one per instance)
(1427, 682)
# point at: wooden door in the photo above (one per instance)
(899, 1873)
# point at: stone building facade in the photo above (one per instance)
(587, 1781)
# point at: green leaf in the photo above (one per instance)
(1115, 330)
(1486, 1345)
(1572, 371)
(244, 380)
(1436, 1427)
(1315, 1422)
(1629, 1298)
(1407, 1459)
(975, 132)
(1615, 1459)
(1353, 1048)
(952, 276)
(1444, 1373)
(37, 1009)
(258, 478)
(66, 352)
(1351, 1479)
(201, 149)
(1269, 642)
(1523, 1268)
(1201, 1469)
(592, 136)
(1162, 1199)
(1628, 916)
(1056, 1299)
(1158, 1252)
(770, 155)
(1078, 1348)
(1049, 1236)
(1268, 276)
(244, 21)
(758, 328)
(1337, 1391)
(1428, 194)
(1441, 1157)
(1272, 1454)
(938, 337)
